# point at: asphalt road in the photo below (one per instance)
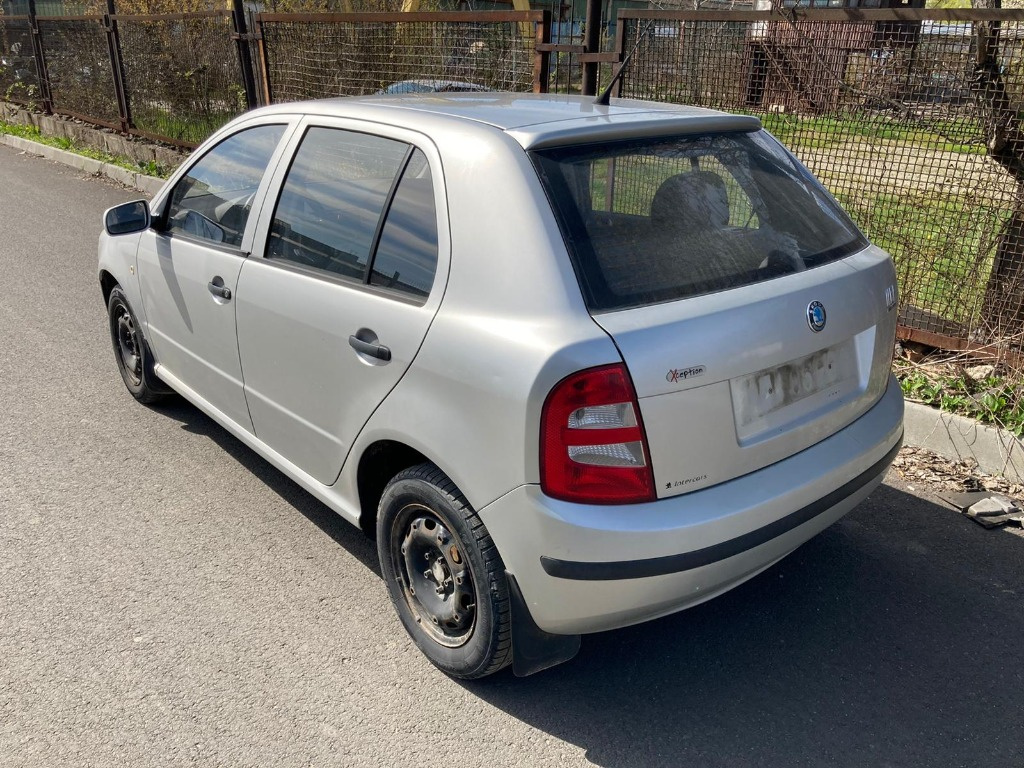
(169, 599)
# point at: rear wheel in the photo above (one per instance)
(444, 575)
(131, 352)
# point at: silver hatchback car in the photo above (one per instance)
(575, 366)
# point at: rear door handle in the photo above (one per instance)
(378, 351)
(219, 290)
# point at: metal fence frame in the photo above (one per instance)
(254, 75)
(107, 25)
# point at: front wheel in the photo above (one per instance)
(443, 573)
(134, 361)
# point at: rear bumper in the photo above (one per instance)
(590, 568)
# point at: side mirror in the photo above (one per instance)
(127, 217)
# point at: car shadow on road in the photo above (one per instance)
(893, 638)
(342, 532)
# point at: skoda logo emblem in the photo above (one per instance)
(816, 316)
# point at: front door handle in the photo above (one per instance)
(219, 290)
(378, 351)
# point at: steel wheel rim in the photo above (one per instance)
(126, 341)
(434, 576)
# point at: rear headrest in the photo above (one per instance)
(691, 202)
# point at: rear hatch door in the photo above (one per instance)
(733, 381)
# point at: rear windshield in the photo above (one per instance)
(663, 219)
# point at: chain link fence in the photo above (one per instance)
(178, 77)
(315, 55)
(895, 112)
(182, 77)
(910, 117)
(79, 76)
(19, 81)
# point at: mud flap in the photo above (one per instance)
(533, 649)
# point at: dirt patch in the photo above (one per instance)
(923, 470)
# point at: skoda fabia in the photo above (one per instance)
(574, 366)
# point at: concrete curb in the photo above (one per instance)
(140, 181)
(956, 437)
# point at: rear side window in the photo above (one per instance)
(660, 220)
(406, 255)
(333, 199)
(360, 207)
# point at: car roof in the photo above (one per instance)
(534, 120)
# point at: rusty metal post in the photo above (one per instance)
(261, 43)
(45, 96)
(592, 44)
(542, 55)
(117, 68)
(243, 38)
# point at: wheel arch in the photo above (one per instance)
(379, 462)
(107, 283)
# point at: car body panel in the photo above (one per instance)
(694, 362)
(190, 329)
(308, 391)
(526, 525)
(117, 258)
(520, 115)
(486, 349)
(506, 321)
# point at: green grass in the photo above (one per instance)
(32, 133)
(824, 132)
(994, 400)
(191, 128)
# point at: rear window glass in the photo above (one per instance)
(663, 219)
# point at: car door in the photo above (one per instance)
(189, 263)
(353, 258)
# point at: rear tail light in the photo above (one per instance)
(593, 447)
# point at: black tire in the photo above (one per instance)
(131, 352)
(460, 617)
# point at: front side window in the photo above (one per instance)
(663, 219)
(360, 207)
(213, 200)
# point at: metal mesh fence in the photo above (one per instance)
(182, 77)
(897, 118)
(78, 71)
(309, 56)
(911, 118)
(19, 81)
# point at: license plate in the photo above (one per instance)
(808, 381)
